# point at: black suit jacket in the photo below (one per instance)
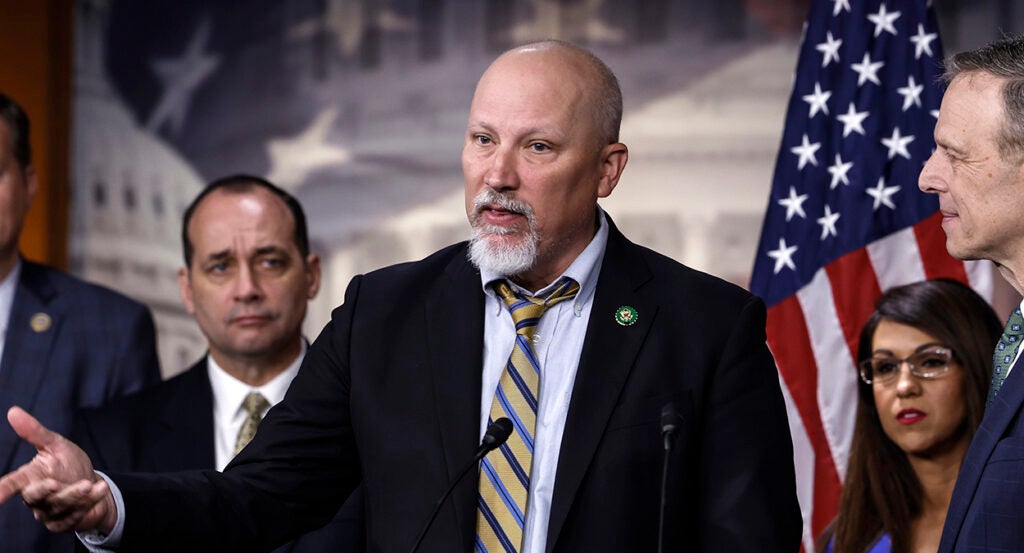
(69, 345)
(390, 392)
(170, 428)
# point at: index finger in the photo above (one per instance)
(13, 483)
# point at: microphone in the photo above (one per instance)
(497, 433)
(670, 423)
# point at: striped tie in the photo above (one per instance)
(505, 472)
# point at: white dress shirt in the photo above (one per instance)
(228, 395)
(564, 324)
(7, 288)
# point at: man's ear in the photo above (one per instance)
(185, 287)
(312, 275)
(613, 161)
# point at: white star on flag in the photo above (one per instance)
(829, 49)
(816, 101)
(853, 120)
(794, 204)
(293, 159)
(783, 256)
(806, 151)
(922, 42)
(181, 77)
(867, 70)
(911, 93)
(828, 223)
(882, 194)
(838, 172)
(897, 144)
(883, 20)
(839, 5)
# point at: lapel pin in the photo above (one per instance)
(40, 322)
(626, 315)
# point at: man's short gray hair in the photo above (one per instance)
(1003, 59)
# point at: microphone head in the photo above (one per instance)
(496, 433)
(670, 418)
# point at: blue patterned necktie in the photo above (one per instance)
(1006, 351)
(505, 472)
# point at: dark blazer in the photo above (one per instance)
(986, 512)
(170, 428)
(69, 345)
(390, 393)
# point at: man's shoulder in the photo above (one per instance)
(153, 398)
(45, 280)
(448, 260)
(679, 279)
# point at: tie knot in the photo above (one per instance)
(527, 310)
(255, 404)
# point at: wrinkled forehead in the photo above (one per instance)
(545, 80)
(224, 213)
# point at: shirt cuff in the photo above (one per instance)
(94, 540)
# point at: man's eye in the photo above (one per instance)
(482, 139)
(539, 147)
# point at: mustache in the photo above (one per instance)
(243, 311)
(488, 197)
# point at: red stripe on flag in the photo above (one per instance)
(854, 291)
(791, 346)
(931, 241)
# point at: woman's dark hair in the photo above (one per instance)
(881, 493)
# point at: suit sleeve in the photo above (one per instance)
(747, 482)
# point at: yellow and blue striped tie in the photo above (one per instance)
(505, 472)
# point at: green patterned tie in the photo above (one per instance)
(505, 472)
(254, 405)
(1006, 351)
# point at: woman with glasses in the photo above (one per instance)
(925, 366)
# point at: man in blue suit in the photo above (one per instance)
(65, 344)
(977, 171)
(247, 278)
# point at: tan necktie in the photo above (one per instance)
(254, 405)
(505, 473)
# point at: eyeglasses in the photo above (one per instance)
(930, 363)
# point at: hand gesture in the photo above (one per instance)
(59, 484)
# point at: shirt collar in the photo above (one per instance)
(584, 269)
(229, 392)
(7, 288)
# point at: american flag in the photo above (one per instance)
(846, 220)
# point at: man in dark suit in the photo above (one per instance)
(977, 171)
(400, 386)
(247, 278)
(65, 344)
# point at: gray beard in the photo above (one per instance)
(505, 259)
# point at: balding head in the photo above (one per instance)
(579, 71)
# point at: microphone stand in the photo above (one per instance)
(497, 433)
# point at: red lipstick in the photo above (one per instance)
(910, 416)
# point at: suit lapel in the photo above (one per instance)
(609, 352)
(993, 426)
(454, 316)
(30, 333)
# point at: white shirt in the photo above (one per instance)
(1019, 350)
(7, 288)
(228, 395)
(566, 325)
